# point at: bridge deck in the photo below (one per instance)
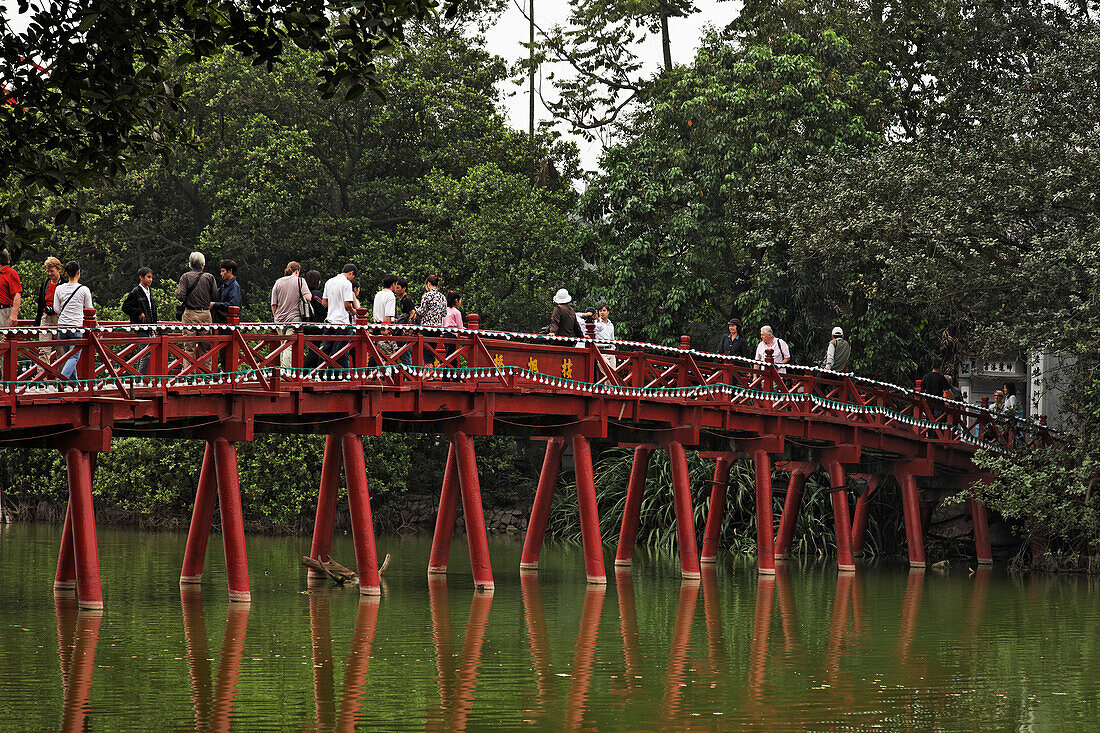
(223, 384)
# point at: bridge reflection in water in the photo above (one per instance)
(753, 670)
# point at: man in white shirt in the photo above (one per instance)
(385, 301)
(339, 298)
(781, 353)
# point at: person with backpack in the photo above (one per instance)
(781, 353)
(196, 291)
(69, 302)
(291, 304)
(838, 353)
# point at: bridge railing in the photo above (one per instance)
(136, 361)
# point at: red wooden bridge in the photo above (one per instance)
(223, 384)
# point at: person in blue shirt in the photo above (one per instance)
(228, 294)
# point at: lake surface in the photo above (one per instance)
(889, 649)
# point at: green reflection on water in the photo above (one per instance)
(806, 650)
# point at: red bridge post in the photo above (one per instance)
(333, 460)
(859, 521)
(792, 505)
(362, 523)
(590, 518)
(472, 512)
(910, 503)
(65, 577)
(842, 518)
(229, 499)
(232, 348)
(194, 555)
(445, 517)
(765, 549)
(685, 516)
(89, 590)
(628, 533)
(982, 548)
(540, 510)
(716, 508)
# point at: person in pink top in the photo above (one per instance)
(453, 318)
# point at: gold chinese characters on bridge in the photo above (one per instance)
(567, 368)
(532, 364)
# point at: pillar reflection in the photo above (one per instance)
(77, 639)
(761, 627)
(355, 673)
(583, 655)
(537, 637)
(628, 626)
(910, 605)
(456, 687)
(213, 702)
(712, 612)
(792, 640)
(679, 651)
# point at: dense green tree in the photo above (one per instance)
(281, 175)
(86, 84)
(674, 209)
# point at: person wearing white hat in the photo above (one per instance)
(838, 353)
(563, 321)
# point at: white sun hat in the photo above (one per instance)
(562, 296)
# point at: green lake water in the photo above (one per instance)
(885, 650)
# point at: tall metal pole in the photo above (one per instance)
(531, 88)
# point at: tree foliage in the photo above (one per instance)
(87, 84)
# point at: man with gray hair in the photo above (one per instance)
(196, 291)
(781, 353)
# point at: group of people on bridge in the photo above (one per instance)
(296, 299)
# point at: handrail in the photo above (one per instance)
(249, 355)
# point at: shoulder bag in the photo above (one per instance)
(305, 307)
(187, 294)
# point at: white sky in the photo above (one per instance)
(506, 38)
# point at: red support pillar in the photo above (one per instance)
(540, 510)
(765, 550)
(982, 547)
(321, 548)
(194, 556)
(65, 577)
(229, 499)
(685, 516)
(445, 517)
(863, 510)
(88, 588)
(914, 533)
(842, 518)
(628, 534)
(362, 524)
(792, 505)
(471, 509)
(716, 508)
(590, 518)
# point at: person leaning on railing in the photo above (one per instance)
(291, 304)
(196, 291)
(44, 314)
(69, 302)
(11, 293)
(141, 307)
(339, 299)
